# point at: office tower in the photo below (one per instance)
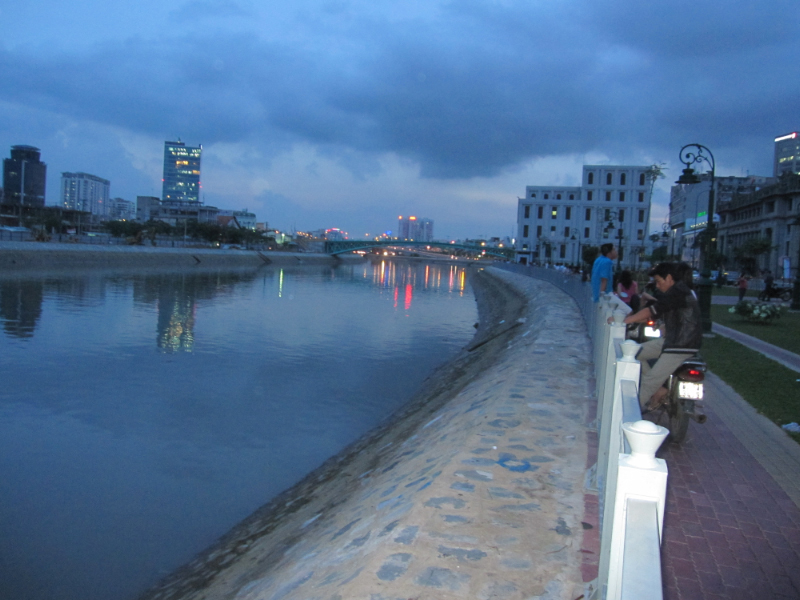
(787, 154)
(414, 230)
(82, 191)
(181, 181)
(24, 177)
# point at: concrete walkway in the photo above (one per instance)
(732, 523)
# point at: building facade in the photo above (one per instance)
(244, 218)
(413, 229)
(688, 209)
(612, 205)
(771, 213)
(85, 192)
(24, 177)
(181, 181)
(787, 154)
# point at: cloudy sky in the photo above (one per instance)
(348, 113)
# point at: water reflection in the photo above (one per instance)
(133, 404)
(20, 306)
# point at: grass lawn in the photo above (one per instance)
(783, 332)
(730, 290)
(768, 386)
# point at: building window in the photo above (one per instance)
(563, 251)
(533, 194)
(641, 216)
(568, 216)
(566, 232)
(641, 178)
(608, 196)
(553, 229)
(621, 215)
(641, 196)
(588, 214)
(622, 196)
(539, 231)
(586, 232)
(558, 196)
(589, 195)
(572, 197)
(608, 178)
(539, 212)
(527, 211)
(770, 207)
(525, 231)
(590, 179)
(554, 213)
(547, 196)
(622, 178)
(640, 234)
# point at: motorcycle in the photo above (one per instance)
(767, 294)
(684, 399)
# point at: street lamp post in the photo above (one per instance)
(796, 290)
(611, 216)
(575, 236)
(689, 155)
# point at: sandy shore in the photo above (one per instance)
(473, 490)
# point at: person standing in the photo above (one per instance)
(602, 271)
(742, 283)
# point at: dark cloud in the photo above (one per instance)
(469, 89)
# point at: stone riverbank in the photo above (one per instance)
(20, 256)
(473, 490)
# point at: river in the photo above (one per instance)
(144, 414)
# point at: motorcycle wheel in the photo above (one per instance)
(678, 419)
(786, 295)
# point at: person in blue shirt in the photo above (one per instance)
(602, 271)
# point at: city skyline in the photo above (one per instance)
(320, 114)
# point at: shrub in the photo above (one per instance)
(758, 312)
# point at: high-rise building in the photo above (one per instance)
(612, 205)
(414, 229)
(82, 191)
(787, 154)
(181, 181)
(119, 208)
(24, 177)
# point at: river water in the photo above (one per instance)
(143, 415)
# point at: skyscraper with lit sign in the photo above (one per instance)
(181, 181)
(787, 154)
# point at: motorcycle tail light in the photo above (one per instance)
(692, 374)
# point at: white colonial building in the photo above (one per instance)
(554, 223)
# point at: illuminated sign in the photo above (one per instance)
(789, 136)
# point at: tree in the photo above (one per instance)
(747, 254)
(589, 254)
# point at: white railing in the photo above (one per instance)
(631, 483)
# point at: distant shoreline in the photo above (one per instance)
(21, 256)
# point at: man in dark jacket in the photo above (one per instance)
(683, 333)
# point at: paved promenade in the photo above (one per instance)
(732, 524)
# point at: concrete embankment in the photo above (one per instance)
(473, 490)
(17, 256)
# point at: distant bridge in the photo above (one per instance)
(342, 247)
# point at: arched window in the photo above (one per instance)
(547, 196)
(558, 196)
(572, 197)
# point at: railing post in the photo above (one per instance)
(641, 476)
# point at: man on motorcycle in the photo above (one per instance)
(683, 333)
